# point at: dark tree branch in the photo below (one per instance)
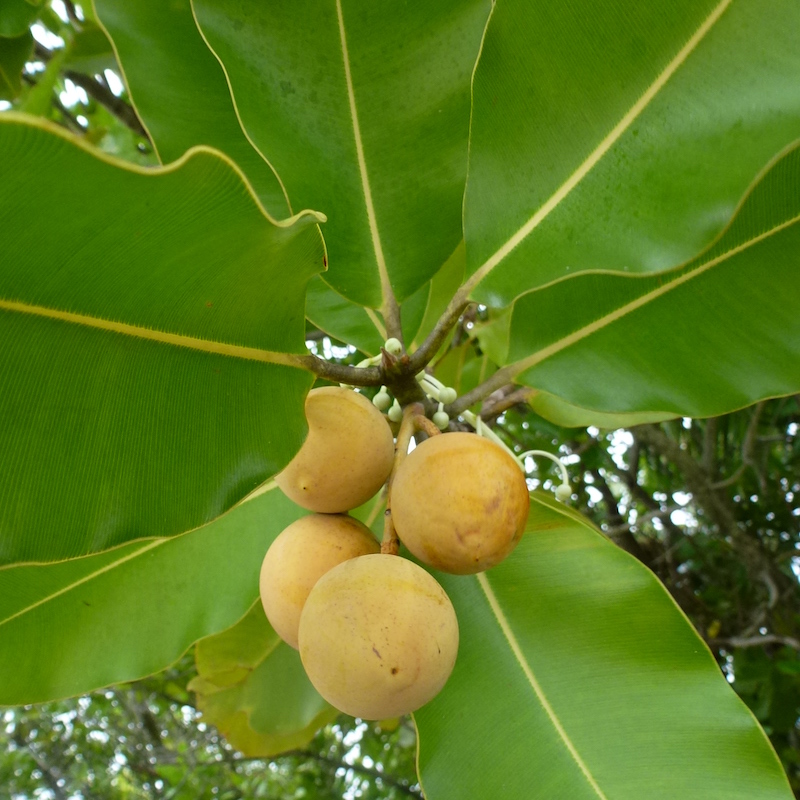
(428, 349)
(742, 642)
(697, 480)
(390, 311)
(709, 458)
(495, 382)
(72, 14)
(103, 95)
(50, 774)
(748, 445)
(508, 397)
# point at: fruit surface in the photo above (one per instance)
(299, 557)
(378, 636)
(459, 503)
(346, 457)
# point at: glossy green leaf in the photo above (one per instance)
(493, 334)
(578, 677)
(444, 285)
(253, 688)
(412, 312)
(357, 325)
(70, 627)
(620, 135)
(90, 50)
(16, 17)
(717, 334)
(179, 89)
(571, 416)
(343, 319)
(39, 97)
(13, 55)
(363, 108)
(145, 367)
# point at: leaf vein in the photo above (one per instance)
(587, 330)
(505, 626)
(605, 145)
(386, 287)
(153, 335)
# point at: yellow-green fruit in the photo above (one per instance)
(459, 503)
(299, 557)
(346, 457)
(378, 637)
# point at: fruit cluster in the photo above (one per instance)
(377, 634)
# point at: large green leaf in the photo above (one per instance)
(620, 135)
(147, 318)
(444, 285)
(253, 688)
(81, 624)
(90, 50)
(363, 108)
(13, 55)
(343, 319)
(16, 16)
(578, 677)
(358, 325)
(179, 90)
(715, 335)
(571, 416)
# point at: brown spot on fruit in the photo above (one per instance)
(459, 503)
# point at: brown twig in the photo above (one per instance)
(497, 381)
(391, 316)
(428, 349)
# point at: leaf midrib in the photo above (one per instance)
(386, 288)
(599, 152)
(505, 627)
(524, 364)
(147, 546)
(153, 334)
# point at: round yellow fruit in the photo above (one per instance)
(299, 557)
(459, 503)
(378, 637)
(346, 457)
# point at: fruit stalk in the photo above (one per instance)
(414, 420)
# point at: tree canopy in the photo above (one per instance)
(568, 229)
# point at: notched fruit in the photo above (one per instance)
(346, 457)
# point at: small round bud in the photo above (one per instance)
(382, 401)
(441, 420)
(393, 346)
(395, 412)
(448, 395)
(563, 492)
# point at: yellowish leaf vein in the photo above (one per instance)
(594, 157)
(505, 626)
(85, 579)
(526, 363)
(177, 340)
(386, 287)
